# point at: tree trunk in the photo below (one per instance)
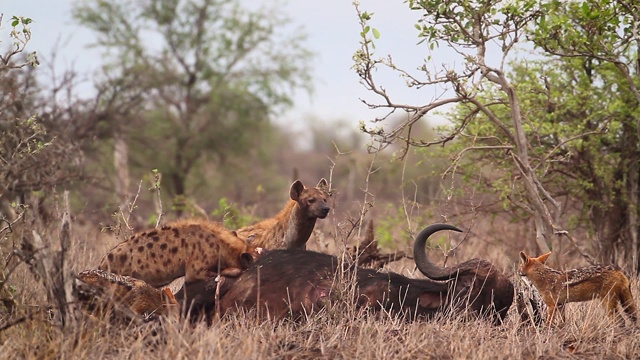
(541, 234)
(121, 163)
(610, 231)
(631, 240)
(544, 220)
(179, 176)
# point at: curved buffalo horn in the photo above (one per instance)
(421, 258)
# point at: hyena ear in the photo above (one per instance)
(246, 260)
(296, 190)
(524, 257)
(544, 257)
(323, 184)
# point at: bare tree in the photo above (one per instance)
(476, 32)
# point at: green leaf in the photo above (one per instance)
(585, 9)
(376, 33)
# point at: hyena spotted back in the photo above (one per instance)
(191, 248)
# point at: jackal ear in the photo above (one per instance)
(323, 184)
(523, 257)
(296, 190)
(544, 257)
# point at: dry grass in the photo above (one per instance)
(338, 331)
(328, 334)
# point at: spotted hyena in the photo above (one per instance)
(291, 228)
(191, 248)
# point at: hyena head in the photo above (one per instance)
(251, 255)
(312, 201)
(245, 261)
(528, 264)
(251, 252)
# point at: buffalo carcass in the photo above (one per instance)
(296, 282)
(292, 283)
(491, 292)
(305, 277)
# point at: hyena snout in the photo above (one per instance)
(323, 211)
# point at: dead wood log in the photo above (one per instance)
(52, 266)
(122, 297)
(367, 253)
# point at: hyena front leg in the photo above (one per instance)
(196, 273)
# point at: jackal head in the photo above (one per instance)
(528, 264)
(312, 201)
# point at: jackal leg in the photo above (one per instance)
(552, 310)
(555, 310)
(628, 305)
(610, 302)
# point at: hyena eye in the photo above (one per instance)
(312, 200)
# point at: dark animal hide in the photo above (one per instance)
(292, 283)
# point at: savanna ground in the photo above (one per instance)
(338, 331)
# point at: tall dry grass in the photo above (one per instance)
(337, 332)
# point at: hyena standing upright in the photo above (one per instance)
(291, 228)
(190, 248)
(606, 282)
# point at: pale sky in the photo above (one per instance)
(333, 35)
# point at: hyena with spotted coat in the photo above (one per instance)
(190, 248)
(291, 228)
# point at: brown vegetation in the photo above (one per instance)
(586, 333)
